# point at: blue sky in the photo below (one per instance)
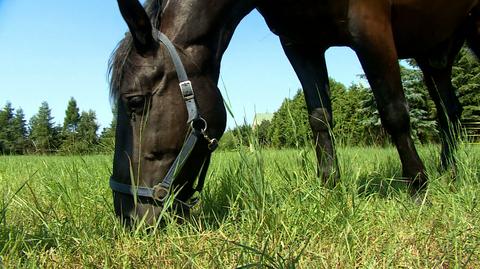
(52, 50)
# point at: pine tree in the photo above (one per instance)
(347, 115)
(19, 129)
(43, 134)
(421, 111)
(243, 134)
(289, 126)
(278, 125)
(69, 129)
(466, 78)
(229, 141)
(72, 117)
(107, 137)
(261, 132)
(87, 132)
(6, 132)
(369, 119)
(421, 107)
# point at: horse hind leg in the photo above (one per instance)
(377, 53)
(449, 110)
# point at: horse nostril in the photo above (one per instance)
(149, 156)
(153, 156)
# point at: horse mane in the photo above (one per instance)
(119, 56)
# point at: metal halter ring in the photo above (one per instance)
(160, 193)
(199, 124)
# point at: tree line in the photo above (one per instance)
(356, 119)
(40, 135)
(355, 115)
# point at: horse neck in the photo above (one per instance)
(204, 28)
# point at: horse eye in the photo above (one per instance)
(136, 103)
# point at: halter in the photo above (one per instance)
(198, 127)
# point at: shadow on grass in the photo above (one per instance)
(17, 242)
(216, 202)
(383, 186)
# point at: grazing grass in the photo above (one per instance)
(260, 209)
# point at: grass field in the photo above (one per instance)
(260, 209)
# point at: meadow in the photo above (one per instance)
(260, 209)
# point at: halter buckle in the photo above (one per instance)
(187, 90)
(160, 193)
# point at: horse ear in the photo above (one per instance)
(139, 24)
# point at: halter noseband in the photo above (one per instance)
(198, 126)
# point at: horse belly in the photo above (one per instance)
(420, 26)
(322, 22)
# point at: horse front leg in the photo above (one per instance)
(375, 47)
(310, 67)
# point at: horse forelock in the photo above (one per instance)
(118, 59)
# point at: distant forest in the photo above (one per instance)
(356, 119)
(77, 135)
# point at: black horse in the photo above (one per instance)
(166, 131)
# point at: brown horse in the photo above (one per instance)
(161, 126)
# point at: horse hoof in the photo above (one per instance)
(418, 182)
(421, 198)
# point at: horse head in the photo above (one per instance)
(170, 113)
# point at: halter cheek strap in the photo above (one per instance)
(185, 84)
(198, 127)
